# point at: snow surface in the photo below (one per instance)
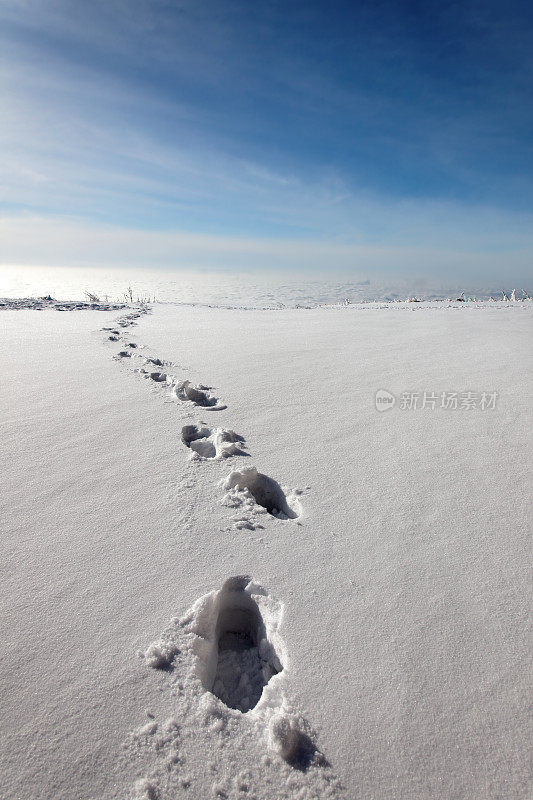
(169, 631)
(256, 289)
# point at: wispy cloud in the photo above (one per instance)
(67, 242)
(168, 123)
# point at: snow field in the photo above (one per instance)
(378, 649)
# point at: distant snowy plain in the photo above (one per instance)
(254, 289)
(227, 573)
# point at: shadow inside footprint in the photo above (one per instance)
(233, 634)
(190, 433)
(266, 491)
(198, 395)
(246, 661)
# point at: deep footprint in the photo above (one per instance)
(226, 650)
(207, 442)
(265, 491)
(244, 657)
(198, 395)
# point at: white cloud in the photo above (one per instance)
(66, 242)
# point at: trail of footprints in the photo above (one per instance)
(228, 644)
(249, 493)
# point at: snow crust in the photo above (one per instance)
(168, 631)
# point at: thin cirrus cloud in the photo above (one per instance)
(69, 242)
(282, 137)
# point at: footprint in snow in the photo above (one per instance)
(158, 377)
(246, 659)
(253, 493)
(227, 656)
(235, 643)
(199, 395)
(208, 442)
(157, 362)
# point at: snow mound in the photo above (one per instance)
(160, 655)
(289, 736)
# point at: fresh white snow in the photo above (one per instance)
(294, 596)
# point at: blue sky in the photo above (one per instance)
(398, 134)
